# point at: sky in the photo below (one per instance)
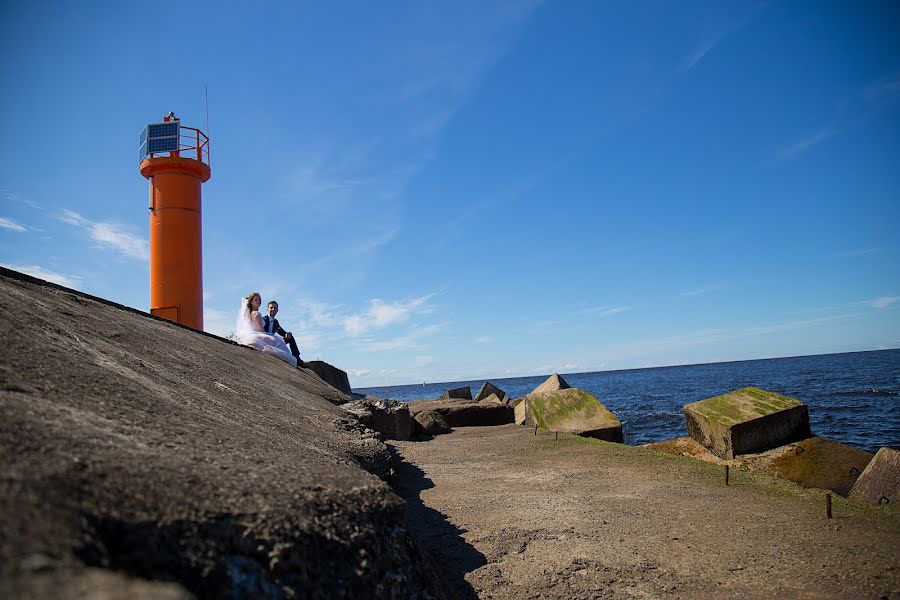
(445, 191)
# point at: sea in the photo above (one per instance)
(853, 397)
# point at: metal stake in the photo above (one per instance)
(828, 505)
(726, 474)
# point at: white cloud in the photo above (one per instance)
(699, 291)
(381, 314)
(884, 301)
(128, 244)
(483, 339)
(860, 252)
(21, 199)
(603, 311)
(45, 274)
(806, 143)
(218, 322)
(358, 372)
(11, 225)
(109, 235)
(409, 341)
(424, 361)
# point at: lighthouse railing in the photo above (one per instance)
(192, 143)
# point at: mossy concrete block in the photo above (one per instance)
(572, 411)
(460, 393)
(487, 389)
(746, 420)
(879, 483)
(821, 463)
(553, 383)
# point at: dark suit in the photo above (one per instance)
(276, 328)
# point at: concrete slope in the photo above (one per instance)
(145, 459)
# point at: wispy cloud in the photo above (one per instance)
(409, 341)
(20, 199)
(423, 361)
(351, 251)
(700, 291)
(861, 252)
(804, 144)
(884, 301)
(71, 281)
(699, 53)
(382, 314)
(11, 225)
(884, 91)
(109, 235)
(602, 311)
(483, 339)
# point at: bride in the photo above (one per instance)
(249, 331)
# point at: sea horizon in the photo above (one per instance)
(669, 366)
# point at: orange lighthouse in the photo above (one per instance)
(175, 159)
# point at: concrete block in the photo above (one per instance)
(572, 410)
(487, 389)
(553, 383)
(746, 420)
(879, 483)
(330, 374)
(461, 393)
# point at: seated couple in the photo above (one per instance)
(258, 331)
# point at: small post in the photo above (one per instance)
(556, 435)
(828, 505)
(726, 474)
(535, 429)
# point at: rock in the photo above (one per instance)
(465, 414)
(430, 422)
(685, 446)
(570, 410)
(879, 483)
(330, 375)
(487, 389)
(746, 420)
(463, 393)
(492, 399)
(818, 462)
(390, 418)
(553, 383)
(513, 402)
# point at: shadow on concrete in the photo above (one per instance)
(440, 539)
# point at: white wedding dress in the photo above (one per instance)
(249, 331)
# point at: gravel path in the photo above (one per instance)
(511, 515)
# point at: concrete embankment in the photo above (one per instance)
(144, 459)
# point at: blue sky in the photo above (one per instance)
(445, 191)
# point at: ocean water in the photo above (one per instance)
(853, 398)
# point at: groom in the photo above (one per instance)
(271, 325)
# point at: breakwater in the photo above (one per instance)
(852, 397)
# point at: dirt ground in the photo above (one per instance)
(508, 514)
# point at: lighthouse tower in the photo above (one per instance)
(175, 159)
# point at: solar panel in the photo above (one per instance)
(159, 137)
